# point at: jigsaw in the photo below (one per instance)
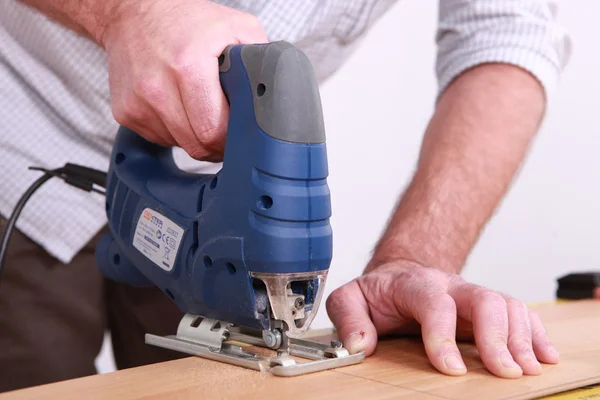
(245, 252)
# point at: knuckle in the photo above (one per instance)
(456, 280)
(438, 301)
(211, 132)
(339, 301)
(335, 298)
(254, 23)
(249, 21)
(150, 89)
(378, 286)
(210, 137)
(120, 116)
(196, 151)
(418, 275)
(129, 112)
(491, 298)
(537, 328)
(475, 291)
(516, 305)
(540, 335)
(183, 62)
(445, 345)
(512, 302)
(519, 345)
(247, 28)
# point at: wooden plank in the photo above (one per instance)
(399, 369)
(204, 379)
(572, 327)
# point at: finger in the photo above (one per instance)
(204, 102)
(542, 347)
(150, 133)
(349, 311)
(520, 337)
(487, 311)
(132, 110)
(200, 88)
(251, 30)
(137, 115)
(162, 95)
(436, 312)
(153, 129)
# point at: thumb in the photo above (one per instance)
(349, 311)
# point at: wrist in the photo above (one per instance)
(397, 252)
(381, 262)
(94, 17)
(108, 16)
(424, 228)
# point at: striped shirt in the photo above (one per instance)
(55, 105)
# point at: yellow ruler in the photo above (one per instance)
(585, 393)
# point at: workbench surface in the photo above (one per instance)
(399, 370)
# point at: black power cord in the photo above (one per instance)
(75, 175)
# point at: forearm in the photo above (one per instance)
(474, 144)
(86, 17)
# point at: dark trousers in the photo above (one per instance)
(53, 317)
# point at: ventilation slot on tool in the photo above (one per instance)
(110, 191)
(118, 199)
(131, 202)
(230, 268)
(265, 202)
(201, 198)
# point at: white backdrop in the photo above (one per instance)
(376, 110)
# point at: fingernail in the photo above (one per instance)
(507, 361)
(453, 362)
(355, 342)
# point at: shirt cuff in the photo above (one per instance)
(543, 69)
(523, 33)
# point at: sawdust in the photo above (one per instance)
(268, 353)
(261, 351)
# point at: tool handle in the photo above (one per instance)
(285, 93)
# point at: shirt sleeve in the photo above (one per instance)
(523, 33)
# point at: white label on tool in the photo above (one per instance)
(158, 238)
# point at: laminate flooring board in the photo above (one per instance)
(194, 378)
(398, 370)
(573, 327)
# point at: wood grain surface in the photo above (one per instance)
(398, 370)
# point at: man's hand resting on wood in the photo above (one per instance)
(479, 134)
(399, 296)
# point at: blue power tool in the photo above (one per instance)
(245, 252)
